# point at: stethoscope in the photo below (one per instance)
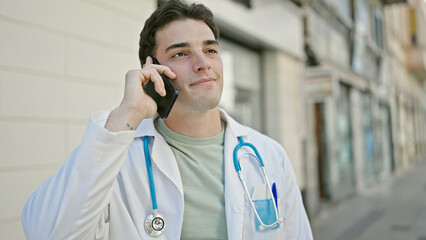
(237, 166)
(155, 224)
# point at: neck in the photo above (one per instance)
(195, 124)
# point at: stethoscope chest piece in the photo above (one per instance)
(154, 224)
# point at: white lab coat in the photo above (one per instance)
(102, 190)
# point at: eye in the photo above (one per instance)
(212, 50)
(178, 54)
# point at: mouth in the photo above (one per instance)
(203, 81)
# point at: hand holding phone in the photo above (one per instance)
(164, 104)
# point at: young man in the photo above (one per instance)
(106, 188)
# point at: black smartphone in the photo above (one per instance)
(164, 104)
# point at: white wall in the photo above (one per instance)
(59, 61)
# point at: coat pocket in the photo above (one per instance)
(266, 211)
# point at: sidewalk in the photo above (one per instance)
(393, 210)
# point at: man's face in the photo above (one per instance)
(188, 47)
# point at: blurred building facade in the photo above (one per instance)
(351, 109)
(339, 83)
(365, 88)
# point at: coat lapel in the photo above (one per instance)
(234, 192)
(161, 154)
(163, 157)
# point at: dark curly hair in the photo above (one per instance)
(168, 12)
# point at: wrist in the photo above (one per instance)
(123, 119)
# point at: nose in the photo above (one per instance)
(200, 62)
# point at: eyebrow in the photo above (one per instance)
(210, 42)
(185, 44)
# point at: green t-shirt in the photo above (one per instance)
(201, 167)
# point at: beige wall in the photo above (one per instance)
(59, 61)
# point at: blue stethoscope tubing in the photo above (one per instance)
(149, 172)
(272, 190)
(154, 223)
(150, 224)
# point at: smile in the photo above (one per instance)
(203, 81)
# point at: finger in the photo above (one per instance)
(149, 60)
(160, 88)
(154, 76)
(169, 73)
(162, 69)
(158, 83)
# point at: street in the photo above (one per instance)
(394, 209)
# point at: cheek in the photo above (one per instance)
(218, 65)
(179, 80)
(179, 83)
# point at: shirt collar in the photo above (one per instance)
(146, 128)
